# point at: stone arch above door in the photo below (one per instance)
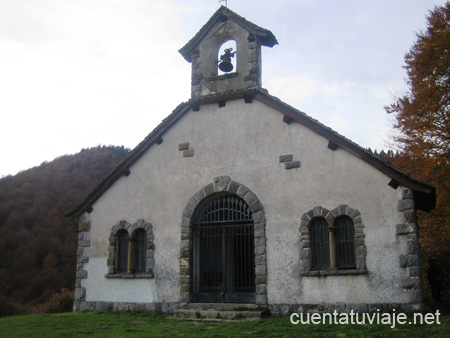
(224, 184)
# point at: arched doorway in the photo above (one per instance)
(223, 250)
(222, 186)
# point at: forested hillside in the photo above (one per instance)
(37, 243)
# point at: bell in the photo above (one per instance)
(225, 65)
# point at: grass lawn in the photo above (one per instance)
(110, 324)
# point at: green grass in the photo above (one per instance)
(109, 324)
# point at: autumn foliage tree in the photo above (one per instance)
(422, 118)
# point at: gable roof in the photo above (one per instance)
(424, 193)
(266, 36)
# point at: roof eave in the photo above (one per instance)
(121, 169)
(424, 193)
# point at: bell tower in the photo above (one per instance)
(217, 68)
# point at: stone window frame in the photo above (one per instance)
(222, 184)
(330, 217)
(113, 250)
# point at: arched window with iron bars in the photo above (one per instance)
(345, 242)
(122, 251)
(320, 252)
(140, 250)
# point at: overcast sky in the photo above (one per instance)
(79, 73)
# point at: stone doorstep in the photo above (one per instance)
(218, 306)
(218, 311)
(210, 314)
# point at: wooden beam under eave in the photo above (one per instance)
(332, 145)
(287, 119)
(126, 172)
(195, 106)
(393, 184)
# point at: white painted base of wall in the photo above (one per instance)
(102, 289)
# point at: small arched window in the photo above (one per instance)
(122, 251)
(320, 252)
(332, 242)
(141, 250)
(345, 242)
(131, 250)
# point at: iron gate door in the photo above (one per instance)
(223, 252)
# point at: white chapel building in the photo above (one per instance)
(237, 197)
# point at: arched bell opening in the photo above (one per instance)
(227, 58)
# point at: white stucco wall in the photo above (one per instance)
(116, 290)
(244, 141)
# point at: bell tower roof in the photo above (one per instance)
(218, 69)
(221, 15)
